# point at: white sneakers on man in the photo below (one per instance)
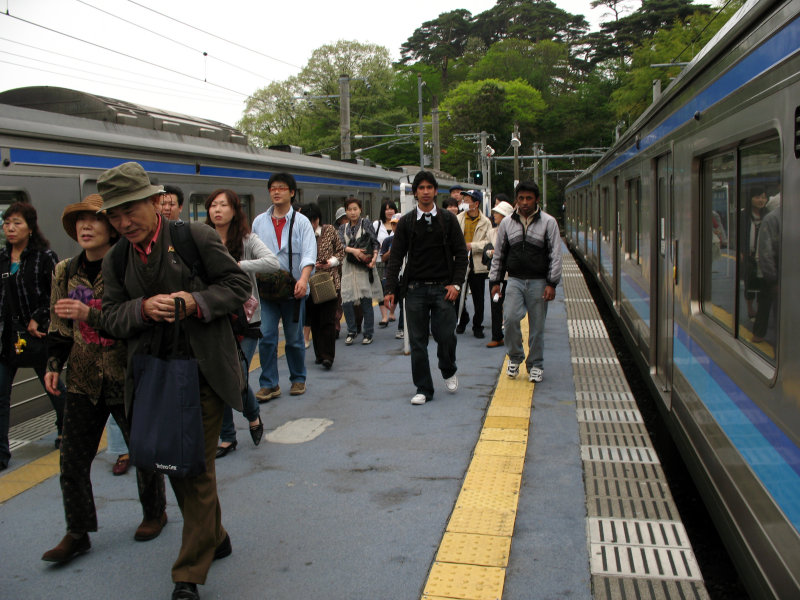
(535, 375)
(513, 369)
(419, 399)
(451, 383)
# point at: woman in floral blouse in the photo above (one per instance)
(95, 380)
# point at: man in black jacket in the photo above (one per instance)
(432, 242)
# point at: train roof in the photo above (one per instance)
(101, 108)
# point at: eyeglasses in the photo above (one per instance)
(278, 188)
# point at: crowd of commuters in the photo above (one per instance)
(97, 310)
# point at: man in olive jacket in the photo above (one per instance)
(138, 301)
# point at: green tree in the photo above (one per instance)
(440, 41)
(276, 114)
(617, 39)
(544, 65)
(489, 105)
(681, 42)
(534, 20)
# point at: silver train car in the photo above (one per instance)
(54, 143)
(683, 226)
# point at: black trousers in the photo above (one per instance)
(497, 314)
(83, 427)
(477, 287)
(322, 320)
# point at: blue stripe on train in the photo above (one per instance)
(61, 159)
(771, 455)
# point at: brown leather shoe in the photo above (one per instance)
(495, 343)
(122, 465)
(298, 389)
(150, 528)
(68, 548)
(267, 394)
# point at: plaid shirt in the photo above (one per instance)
(33, 284)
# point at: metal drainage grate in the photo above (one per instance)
(619, 454)
(32, 430)
(644, 561)
(614, 416)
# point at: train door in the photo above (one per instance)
(664, 276)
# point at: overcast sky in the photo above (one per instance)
(104, 39)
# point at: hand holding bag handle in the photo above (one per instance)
(167, 421)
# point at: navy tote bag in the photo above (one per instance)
(167, 422)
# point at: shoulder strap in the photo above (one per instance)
(72, 267)
(186, 248)
(119, 259)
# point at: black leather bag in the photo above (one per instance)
(167, 421)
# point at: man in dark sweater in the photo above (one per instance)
(436, 261)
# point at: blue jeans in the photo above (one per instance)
(271, 314)
(249, 402)
(525, 296)
(7, 374)
(116, 441)
(350, 317)
(426, 307)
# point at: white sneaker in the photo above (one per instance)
(513, 369)
(399, 334)
(419, 399)
(535, 375)
(451, 383)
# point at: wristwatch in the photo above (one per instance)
(458, 287)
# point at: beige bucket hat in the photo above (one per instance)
(126, 183)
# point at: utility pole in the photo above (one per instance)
(420, 83)
(484, 159)
(437, 153)
(344, 116)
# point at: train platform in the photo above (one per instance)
(504, 489)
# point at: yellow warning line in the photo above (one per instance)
(473, 555)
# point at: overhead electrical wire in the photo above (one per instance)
(214, 35)
(697, 37)
(126, 82)
(171, 39)
(122, 85)
(152, 64)
(201, 92)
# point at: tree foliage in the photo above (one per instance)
(524, 62)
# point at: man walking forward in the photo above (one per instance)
(528, 246)
(437, 262)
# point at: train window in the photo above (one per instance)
(719, 295)
(759, 250)
(741, 242)
(634, 191)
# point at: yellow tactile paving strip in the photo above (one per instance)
(473, 555)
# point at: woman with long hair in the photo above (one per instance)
(383, 229)
(26, 264)
(322, 317)
(360, 283)
(224, 213)
(95, 381)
